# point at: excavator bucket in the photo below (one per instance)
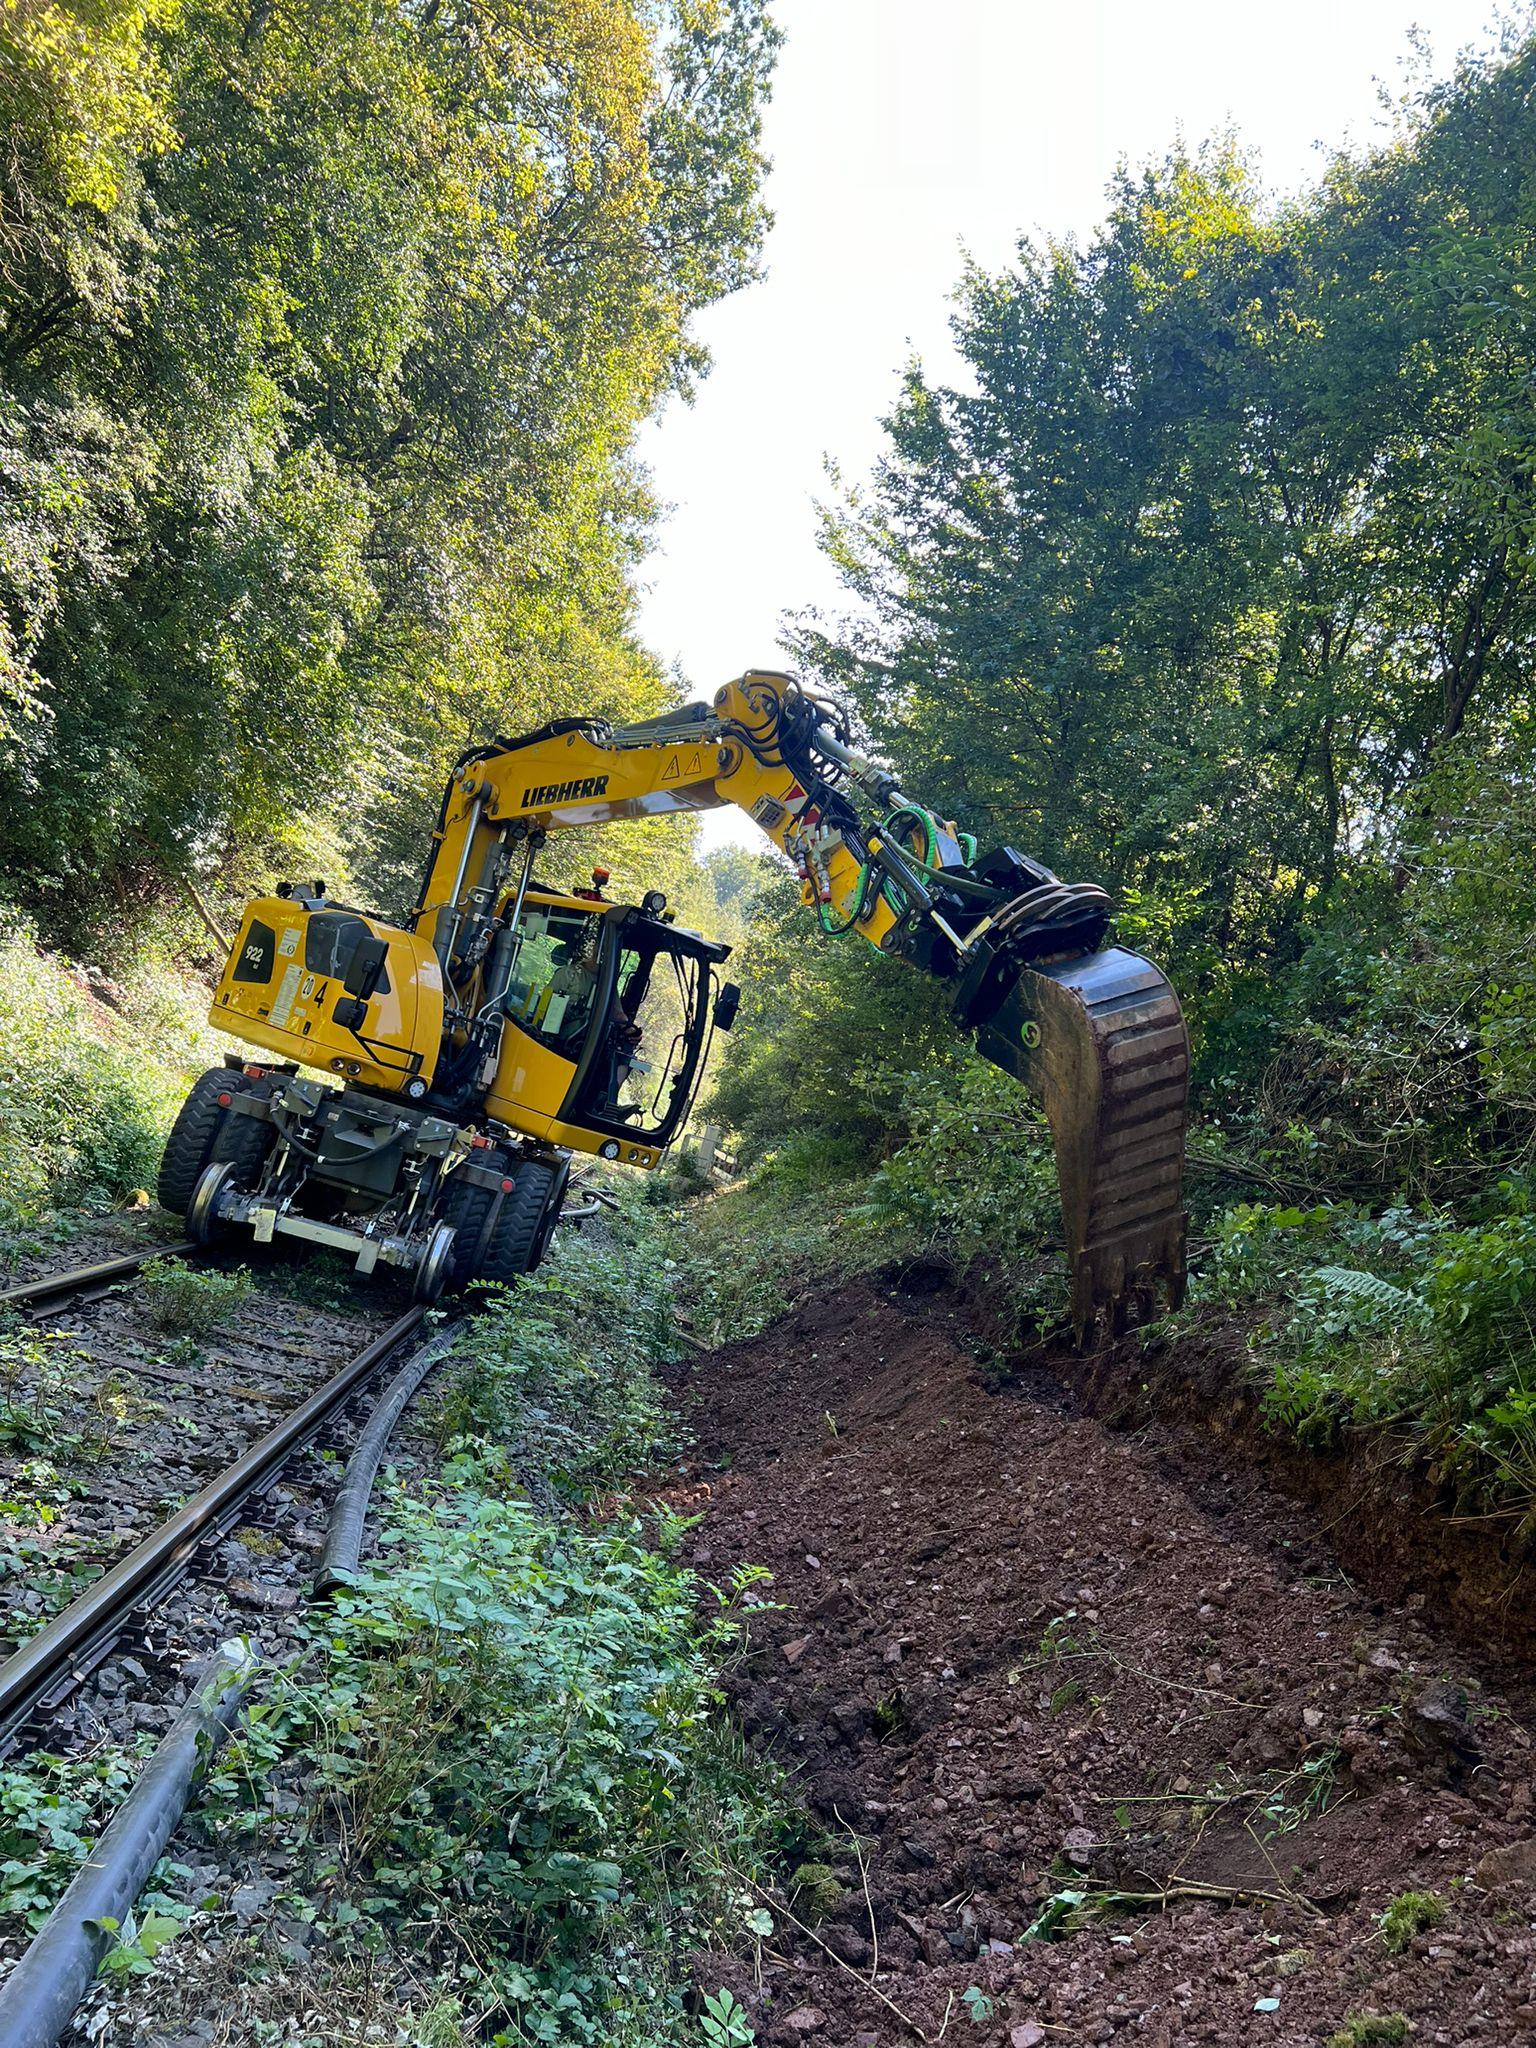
(1100, 1038)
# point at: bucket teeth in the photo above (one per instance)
(1101, 1039)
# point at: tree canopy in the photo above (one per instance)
(325, 329)
(1211, 579)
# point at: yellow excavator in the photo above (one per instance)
(433, 1080)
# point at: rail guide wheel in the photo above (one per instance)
(435, 1266)
(205, 1226)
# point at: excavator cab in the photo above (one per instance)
(605, 1019)
(473, 1062)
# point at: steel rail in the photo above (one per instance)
(67, 1648)
(83, 1279)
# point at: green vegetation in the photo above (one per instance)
(517, 1775)
(560, 1376)
(51, 1809)
(1368, 2029)
(86, 1091)
(816, 1890)
(1213, 582)
(190, 1301)
(1410, 1913)
(40, 1408)
(324, 337)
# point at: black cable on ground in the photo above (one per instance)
(349, 1510)
(39, 1998)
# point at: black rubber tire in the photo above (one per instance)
(518, 1239)
(245, 1141)
(554, 1203)
(524, 1224)
(190, 1146)
(465, 1206)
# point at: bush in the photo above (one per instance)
(520, 1760)
(1403, 1322)
(85, 1097)
(51, 1809)
(80, 1120)
(515, 1763)
(191, 1301)
(977, 1176)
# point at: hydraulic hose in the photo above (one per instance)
(349, 1510)
(896, 826)
(39, 1998)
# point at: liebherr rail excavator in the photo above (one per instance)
(466, 1056)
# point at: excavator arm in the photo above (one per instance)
(1094, 1031)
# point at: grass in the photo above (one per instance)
(86, 1093)
(1370, 2030)
(742, 1255)
(1410, 1913)
(1407, 1325)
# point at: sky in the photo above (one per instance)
(906, 135)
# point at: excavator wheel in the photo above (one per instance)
(520, 1228)
(554, 1203)
(189, 1148)
(245, 1141)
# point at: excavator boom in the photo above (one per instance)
(1098, 1035)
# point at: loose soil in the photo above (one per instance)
(1021, 1654)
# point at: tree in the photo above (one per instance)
(343, 482)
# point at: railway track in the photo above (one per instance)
(47, 1982)
(61, 1655)
(168, 1586)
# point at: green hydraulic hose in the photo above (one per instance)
(894, 827)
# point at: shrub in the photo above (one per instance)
(1403, 1322)
(518, 1759)
(86, 1099)
(191, 1301)
(559, 1370)
(80, 1120)
(51, 1809)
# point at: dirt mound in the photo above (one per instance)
(1036, 1685)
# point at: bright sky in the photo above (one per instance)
(902, 133)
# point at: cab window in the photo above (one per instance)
(555, 977)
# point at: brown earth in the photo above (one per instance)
(1021, 1652)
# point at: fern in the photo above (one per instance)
(1334, 1282)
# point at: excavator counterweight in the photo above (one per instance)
(507, 1024)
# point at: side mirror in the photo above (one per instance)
(727, 1003)
(365, 970)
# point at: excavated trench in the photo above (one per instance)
(1083, 1630)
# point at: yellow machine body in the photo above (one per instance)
(512, 1024)
(533, 1077)
(285, 979)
